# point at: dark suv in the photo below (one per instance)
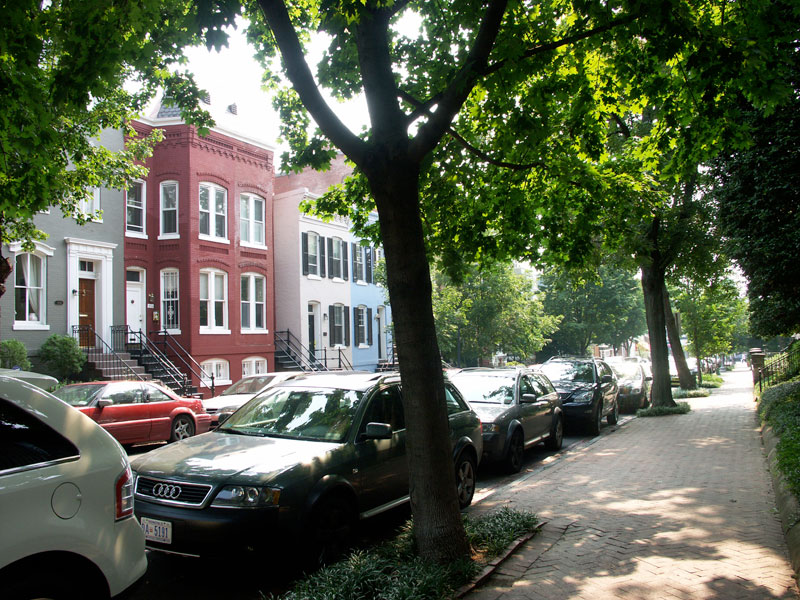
(588, 390)
(518, 409)
(302, 461)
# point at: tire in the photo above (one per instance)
(597, 420)
(182, 427)
(53, 584)
(466, 470)
(332, 527)
(613, 416)
(515, 452)
(556, 439)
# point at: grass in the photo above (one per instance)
(710, 380)
(660, 411)
(698, 393)
(393, 571)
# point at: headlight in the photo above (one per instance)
(490, 428)
(582, 398)
(245, 496)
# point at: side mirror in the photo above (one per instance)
(103, 402)
(649, 378)
(528, 398)
(378, 431)
(606, 379)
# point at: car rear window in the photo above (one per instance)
(26, 442)
(492, 389)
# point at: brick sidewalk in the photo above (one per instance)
(668, 507)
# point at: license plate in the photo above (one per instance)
(157, 531)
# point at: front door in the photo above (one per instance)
(312, 334)
(86, 311)
(134, 312)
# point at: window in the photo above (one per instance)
(169, 209)
(29, 289)
(213, 212)
(253, 299)
(313, 247)
(337, 258)
(362, 325)
(358, 263)
(218, 367)
(255, 365)
(134, 209)
(89, 205)
(251, 226)
(213, 301)
(170, 307)
(339, 323)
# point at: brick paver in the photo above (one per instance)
(677, 507)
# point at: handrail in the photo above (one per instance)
(180, 353)
(297, 353)
(777, 366)
(100, 351)
(123, 336)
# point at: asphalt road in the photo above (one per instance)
(169, 577)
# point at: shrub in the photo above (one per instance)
(62, 355)
(711, 381)
(659, 411)
(681, 393)
(774, 396)
(13, 354)
(779, 407)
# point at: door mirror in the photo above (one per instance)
(103, 402)
(606, 379)
(378, 431)
(528, 398)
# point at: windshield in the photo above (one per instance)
(251, 385)
(491, 389)
(579, 372)
(626, 370)
(79, 395)
(300, 413)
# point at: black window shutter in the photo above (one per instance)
(353, 248)
(304, 245)
(331, 328)
(369, 326)
(368, 265)
(330, 258)
(344, 260)
(355, 326)
(321, 257)
(346, 325)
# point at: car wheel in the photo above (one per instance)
(53, 584)
(556, 439)
(597, 419)
(465, 479)
(515, 453)
(613, 416)
(332, 526)
(182, 428)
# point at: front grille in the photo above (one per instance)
(172, 492)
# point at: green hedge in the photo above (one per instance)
(779, 407)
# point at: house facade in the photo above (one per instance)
(327, 299)
(198, 240)
(74, 277)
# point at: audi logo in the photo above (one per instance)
(166, 491)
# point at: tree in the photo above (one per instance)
(605, 309)
(492, 309)
(518, 89)
(66, 69)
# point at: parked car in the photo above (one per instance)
(46, 382)
(66, 502)
(243, 390)
(300, 462)
(137, 411)
(518, 409)
(588, 390)
(633, 385)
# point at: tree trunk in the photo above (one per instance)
(685, 378)
(438, 527)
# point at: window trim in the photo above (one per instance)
(255, 359)
(252, 303)
(177, 299)
(176, 234)
(217, 381)
(143, 233)
(41, 252)
(214, 329)
(210, 237)
(251, 222)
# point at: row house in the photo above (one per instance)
(72, 278)
(198, 239)
(328, 303)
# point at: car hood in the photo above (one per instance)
(215, 456)
(567, 386)
(224, 401)
(489, 412)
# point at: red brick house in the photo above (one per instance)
(199, 249)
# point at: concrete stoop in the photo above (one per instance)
(785, 501)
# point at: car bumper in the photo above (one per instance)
(577, 411)
(214, 531)
(128, 561)
(204, 422)
(493, 446)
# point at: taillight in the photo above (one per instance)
(123, 494)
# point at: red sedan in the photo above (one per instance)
(137, 411)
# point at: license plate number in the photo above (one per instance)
(157, 531)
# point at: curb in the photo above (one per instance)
(785, 501)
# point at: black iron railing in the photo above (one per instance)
(779, 367)
(151, 358)
(291, 352)
(173, 349)
(104, 357)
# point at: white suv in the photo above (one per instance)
(66, 502)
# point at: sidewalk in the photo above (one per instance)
(667, 507)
